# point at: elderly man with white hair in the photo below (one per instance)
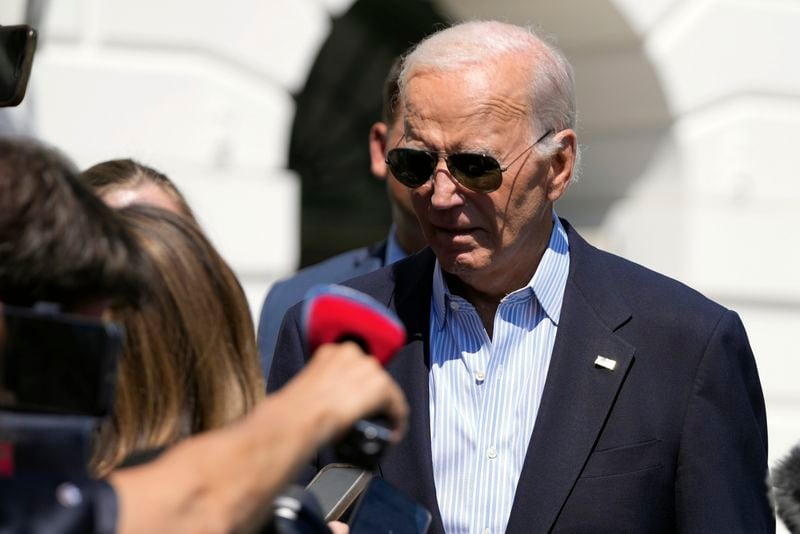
(553, 386)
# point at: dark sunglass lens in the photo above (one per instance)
(476, 171)
(412, 168)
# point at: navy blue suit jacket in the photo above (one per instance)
(674, 439)
(30, 504)
(284, 294)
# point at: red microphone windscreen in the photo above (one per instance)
(333, 313)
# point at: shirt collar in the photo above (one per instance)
(394, 252)
(547, 283)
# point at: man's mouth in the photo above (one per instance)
(454, 232)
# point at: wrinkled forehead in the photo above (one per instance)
(475, 98)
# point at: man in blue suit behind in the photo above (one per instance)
(553, 387)
(405, 236)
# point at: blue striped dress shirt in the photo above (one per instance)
(485, 393)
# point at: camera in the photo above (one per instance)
(17, 45)
(57, 376)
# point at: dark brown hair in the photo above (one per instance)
(58, 242)
(190, 361)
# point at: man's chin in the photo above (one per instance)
(460, 262)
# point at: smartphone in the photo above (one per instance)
(336, 487)
(384, 509)
(58, 364)
(17, 45)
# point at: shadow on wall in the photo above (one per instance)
(623, 115)
(623, 128)
(343, 206)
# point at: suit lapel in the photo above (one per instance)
(369, 259)
(578, 394)
(577, 398)
(376, 254)
(408, 465)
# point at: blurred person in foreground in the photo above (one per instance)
(405, 236)
(58, 242)
(189, 361)
(219, 480)
(122, 182)
(552, 386)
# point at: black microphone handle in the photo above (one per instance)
(364, 443)
(368, 439)
(296, 511)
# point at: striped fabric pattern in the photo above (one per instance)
(485, 393)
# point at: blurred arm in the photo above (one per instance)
(226, 479)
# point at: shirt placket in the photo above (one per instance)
(497, 453)
(488, 460)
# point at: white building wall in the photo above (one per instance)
(199, 92)
(728, 70)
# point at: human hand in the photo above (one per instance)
(337, 527)
(347, 385)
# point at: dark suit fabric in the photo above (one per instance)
(672, 440)
(30, 504)
(284, 294)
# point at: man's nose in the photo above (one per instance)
(446, 193)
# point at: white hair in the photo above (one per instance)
(469, 44)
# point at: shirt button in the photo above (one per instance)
(454, 305)
(487, 531)
(480, 376)
(491, 453)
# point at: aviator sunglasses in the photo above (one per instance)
(479, 172)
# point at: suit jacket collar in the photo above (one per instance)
(376, 255)
(576, 400)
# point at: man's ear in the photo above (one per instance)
(377, 150)
(562, 164)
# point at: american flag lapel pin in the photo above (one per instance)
(605, 363)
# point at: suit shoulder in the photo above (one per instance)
(381, 283)
(333, 270)
(377, 277)
(606, 276)
(645, 289)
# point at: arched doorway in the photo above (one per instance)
(623, 115)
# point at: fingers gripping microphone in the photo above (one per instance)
(335, 314)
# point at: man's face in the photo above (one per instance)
(483, 238)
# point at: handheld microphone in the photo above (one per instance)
(295, 511)
(335, 314)
(786, 488)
